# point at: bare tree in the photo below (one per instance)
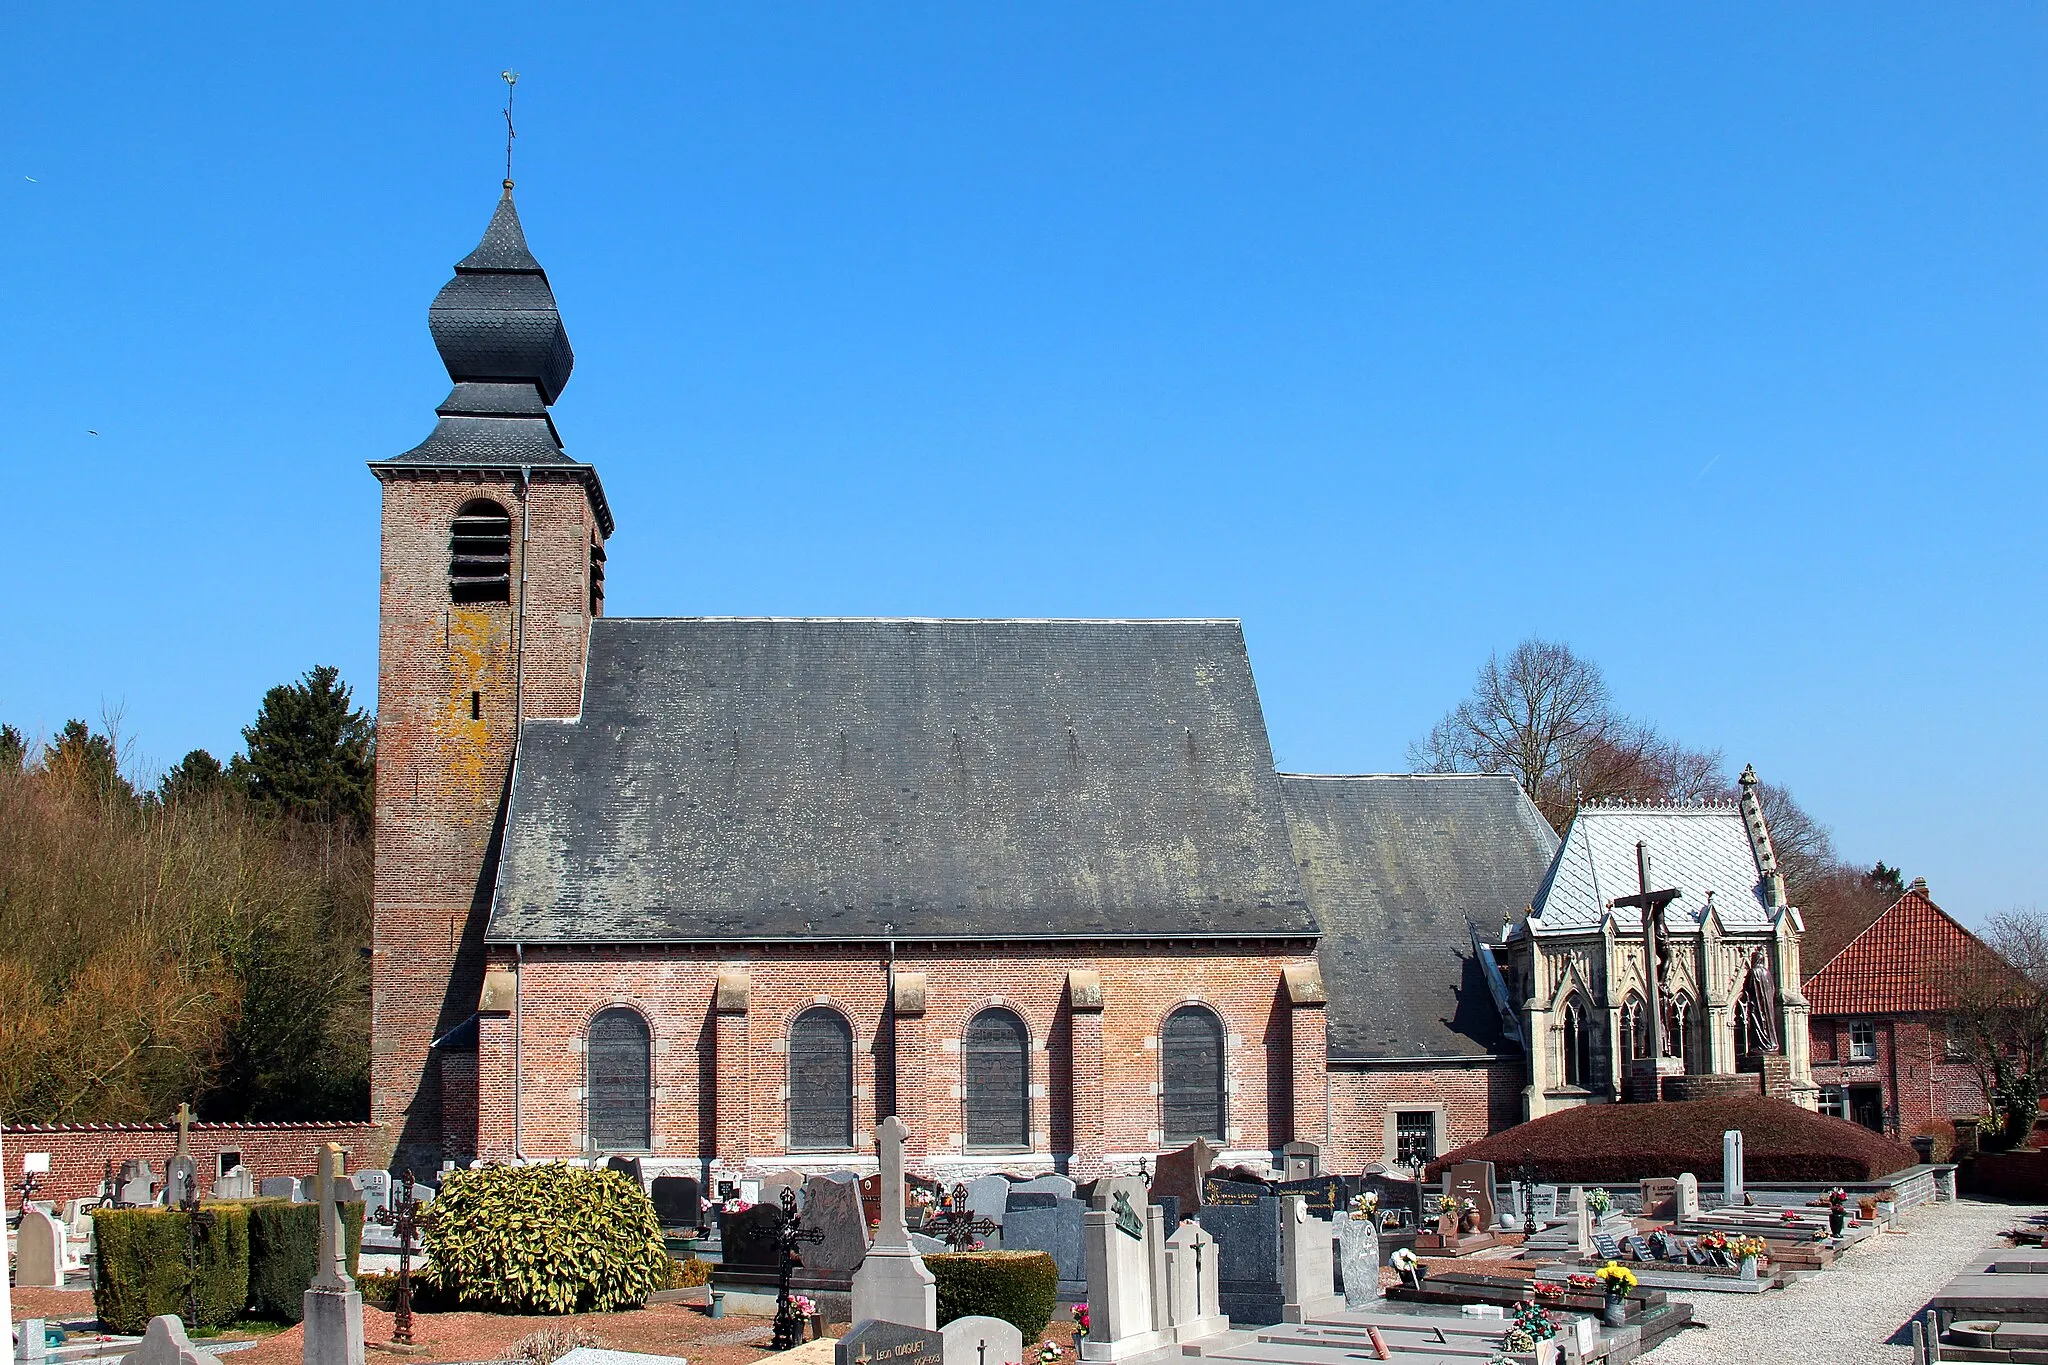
(1999, 1017)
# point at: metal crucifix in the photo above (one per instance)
(1651, 904)
(790, 1234)
(402, 1215)
(956, 1224)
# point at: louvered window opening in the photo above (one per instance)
(596, 577)
(820, 1083)
(998, 1075)
(1191, 1075)
(621, 1079)
(480, 554)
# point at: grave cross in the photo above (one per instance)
(404, 1218)
(790, 1233)
(196, 1221)
(184, 1129)
(956, 1223)
(1652, 904)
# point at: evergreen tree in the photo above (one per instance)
(194, 777)
(87, 761)
(311, 754)
(13, 749)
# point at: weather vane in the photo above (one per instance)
(511, 79)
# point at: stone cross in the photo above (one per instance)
(889, 1139)
(893, 1283)
(333, 1266)
(185, 1130)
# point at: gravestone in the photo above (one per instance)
(1658, 1194)
(1307, 1276)
(181, 1178)
(871, 1199)
(975, 1340)
(1180, 1174)
(1731, 1167)
(1044, 1184)
(136, 1183)
(770, 1187)
(878, 1342)
(1606, 1246)
(678, 1201)
(236, 1184)
(164, 1343)
(1473, 1180)
(1358, 1260)
(1301, 1161)
(333, 1309)
(988, 1196)
(375, 1189)
(1050, 1223)
(1638, 1248)
(39, 1251)
(1543, 1202)
(1218, 1191)
(1123, 1312)
(1324, 1195)
(832, 1207)
(627, 1166)
(1248, 1267)
(1192, 1305)
(1582, 1228)
(281, 1187)
(1686, 1201)
(893, 1284)
(747, 1239)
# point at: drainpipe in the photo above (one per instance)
(518, 1069)
(518, 717)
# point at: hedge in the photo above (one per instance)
(1020, 1287)
(140, 1270)
(551, 1238)
(1604, 1143)
(284, 1254)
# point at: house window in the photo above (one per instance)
(821, 1082)
(1414, 1136)
(998, 1081)
(1578, 1045)
(1191, 1075)
(480, 553)
(1833, 1102)
(620, 1074)
(1862, 1040)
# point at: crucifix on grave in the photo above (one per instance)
(955, 1222)
(402, 1215)
(790, 1233)
(1652, 904)
(197, 1220)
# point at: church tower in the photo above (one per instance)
(492, 569)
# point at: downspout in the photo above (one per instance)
(518, 1071)
(518, 717)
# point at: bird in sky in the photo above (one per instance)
(90, 432)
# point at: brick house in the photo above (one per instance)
(1879, 1030)
(726, 891)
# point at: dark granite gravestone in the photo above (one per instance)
(888, 1343)
(1638, 1248)
(1677, 1250)
(747, 1240)
(1698, 1254)
(1607, 1246)
(832, 1207)
(627, 1166)
(1473, 1180)
(1052, 1224)
(1180, 1174)
(1249, 1289)
(1169, 1205)
(1235, 1192)
(678, 1201)
(1325, 1196)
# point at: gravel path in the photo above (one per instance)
(1854, 1314)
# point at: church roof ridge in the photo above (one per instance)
(953, 620)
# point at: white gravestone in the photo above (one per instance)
(1307, 1277)
(893, 1283)
(1194, 1310)
(1582, 1222)
(1731, 1167)
(1155, 1252)
(238, 1183)
(281, 1187)
(976, 1340)
(1686, 1204)
(39, 1251)
(1358, 1252)
(375, 1188)
(165, 1343)
(1123, 1320)
(333, 1308)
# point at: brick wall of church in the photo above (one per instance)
(443, 759)
(720, 1078)
(1470, 1100)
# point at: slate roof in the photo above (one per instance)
(1895, 966)
(1394, 867)
(1698, 849)
(760, 779)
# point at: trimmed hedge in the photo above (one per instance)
(140, 1269)
(284, 1253)
(1020, 1287)
(1606, 1143)
(552, 1238)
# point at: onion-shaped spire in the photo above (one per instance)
(496, 321)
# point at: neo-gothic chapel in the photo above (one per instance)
(725, 891)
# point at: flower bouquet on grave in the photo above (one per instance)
(1366, 1205)
(1838, 1210)
(1532, 1321)
(1081, 1318)
(1580, 1283)
(1744, 1248)
(1599, 1201)
(1050, 1351)
(1408, 1266)
(1549, 1292)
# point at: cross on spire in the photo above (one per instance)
(511, 79)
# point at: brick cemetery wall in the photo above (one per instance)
(79, 1153)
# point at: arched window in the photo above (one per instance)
(1683, 1024)
(821, 1082)
(1191, 1075)
(998, 1081)
(1635, 1029)
(1578, 1045)
(620, 1082)
(480, 553)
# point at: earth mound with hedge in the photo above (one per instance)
(1609, 1143)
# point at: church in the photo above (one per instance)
(723, 892)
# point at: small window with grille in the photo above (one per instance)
(1414, 1136)
(480, 553)
(1833, 1102)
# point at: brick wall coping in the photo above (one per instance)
(322, 1125)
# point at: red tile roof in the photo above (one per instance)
(1895, 965)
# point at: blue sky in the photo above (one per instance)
(1709, 339)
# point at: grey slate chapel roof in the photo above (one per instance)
(1394, 866)
(760, 779)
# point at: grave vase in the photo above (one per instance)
(1469, 1222)
(1614, 1312)
(1838, 1219)
(1747, 1267)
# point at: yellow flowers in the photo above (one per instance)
(1617, 1278)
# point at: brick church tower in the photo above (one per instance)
(492, 569)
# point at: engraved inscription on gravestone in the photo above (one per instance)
(889, 1343)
